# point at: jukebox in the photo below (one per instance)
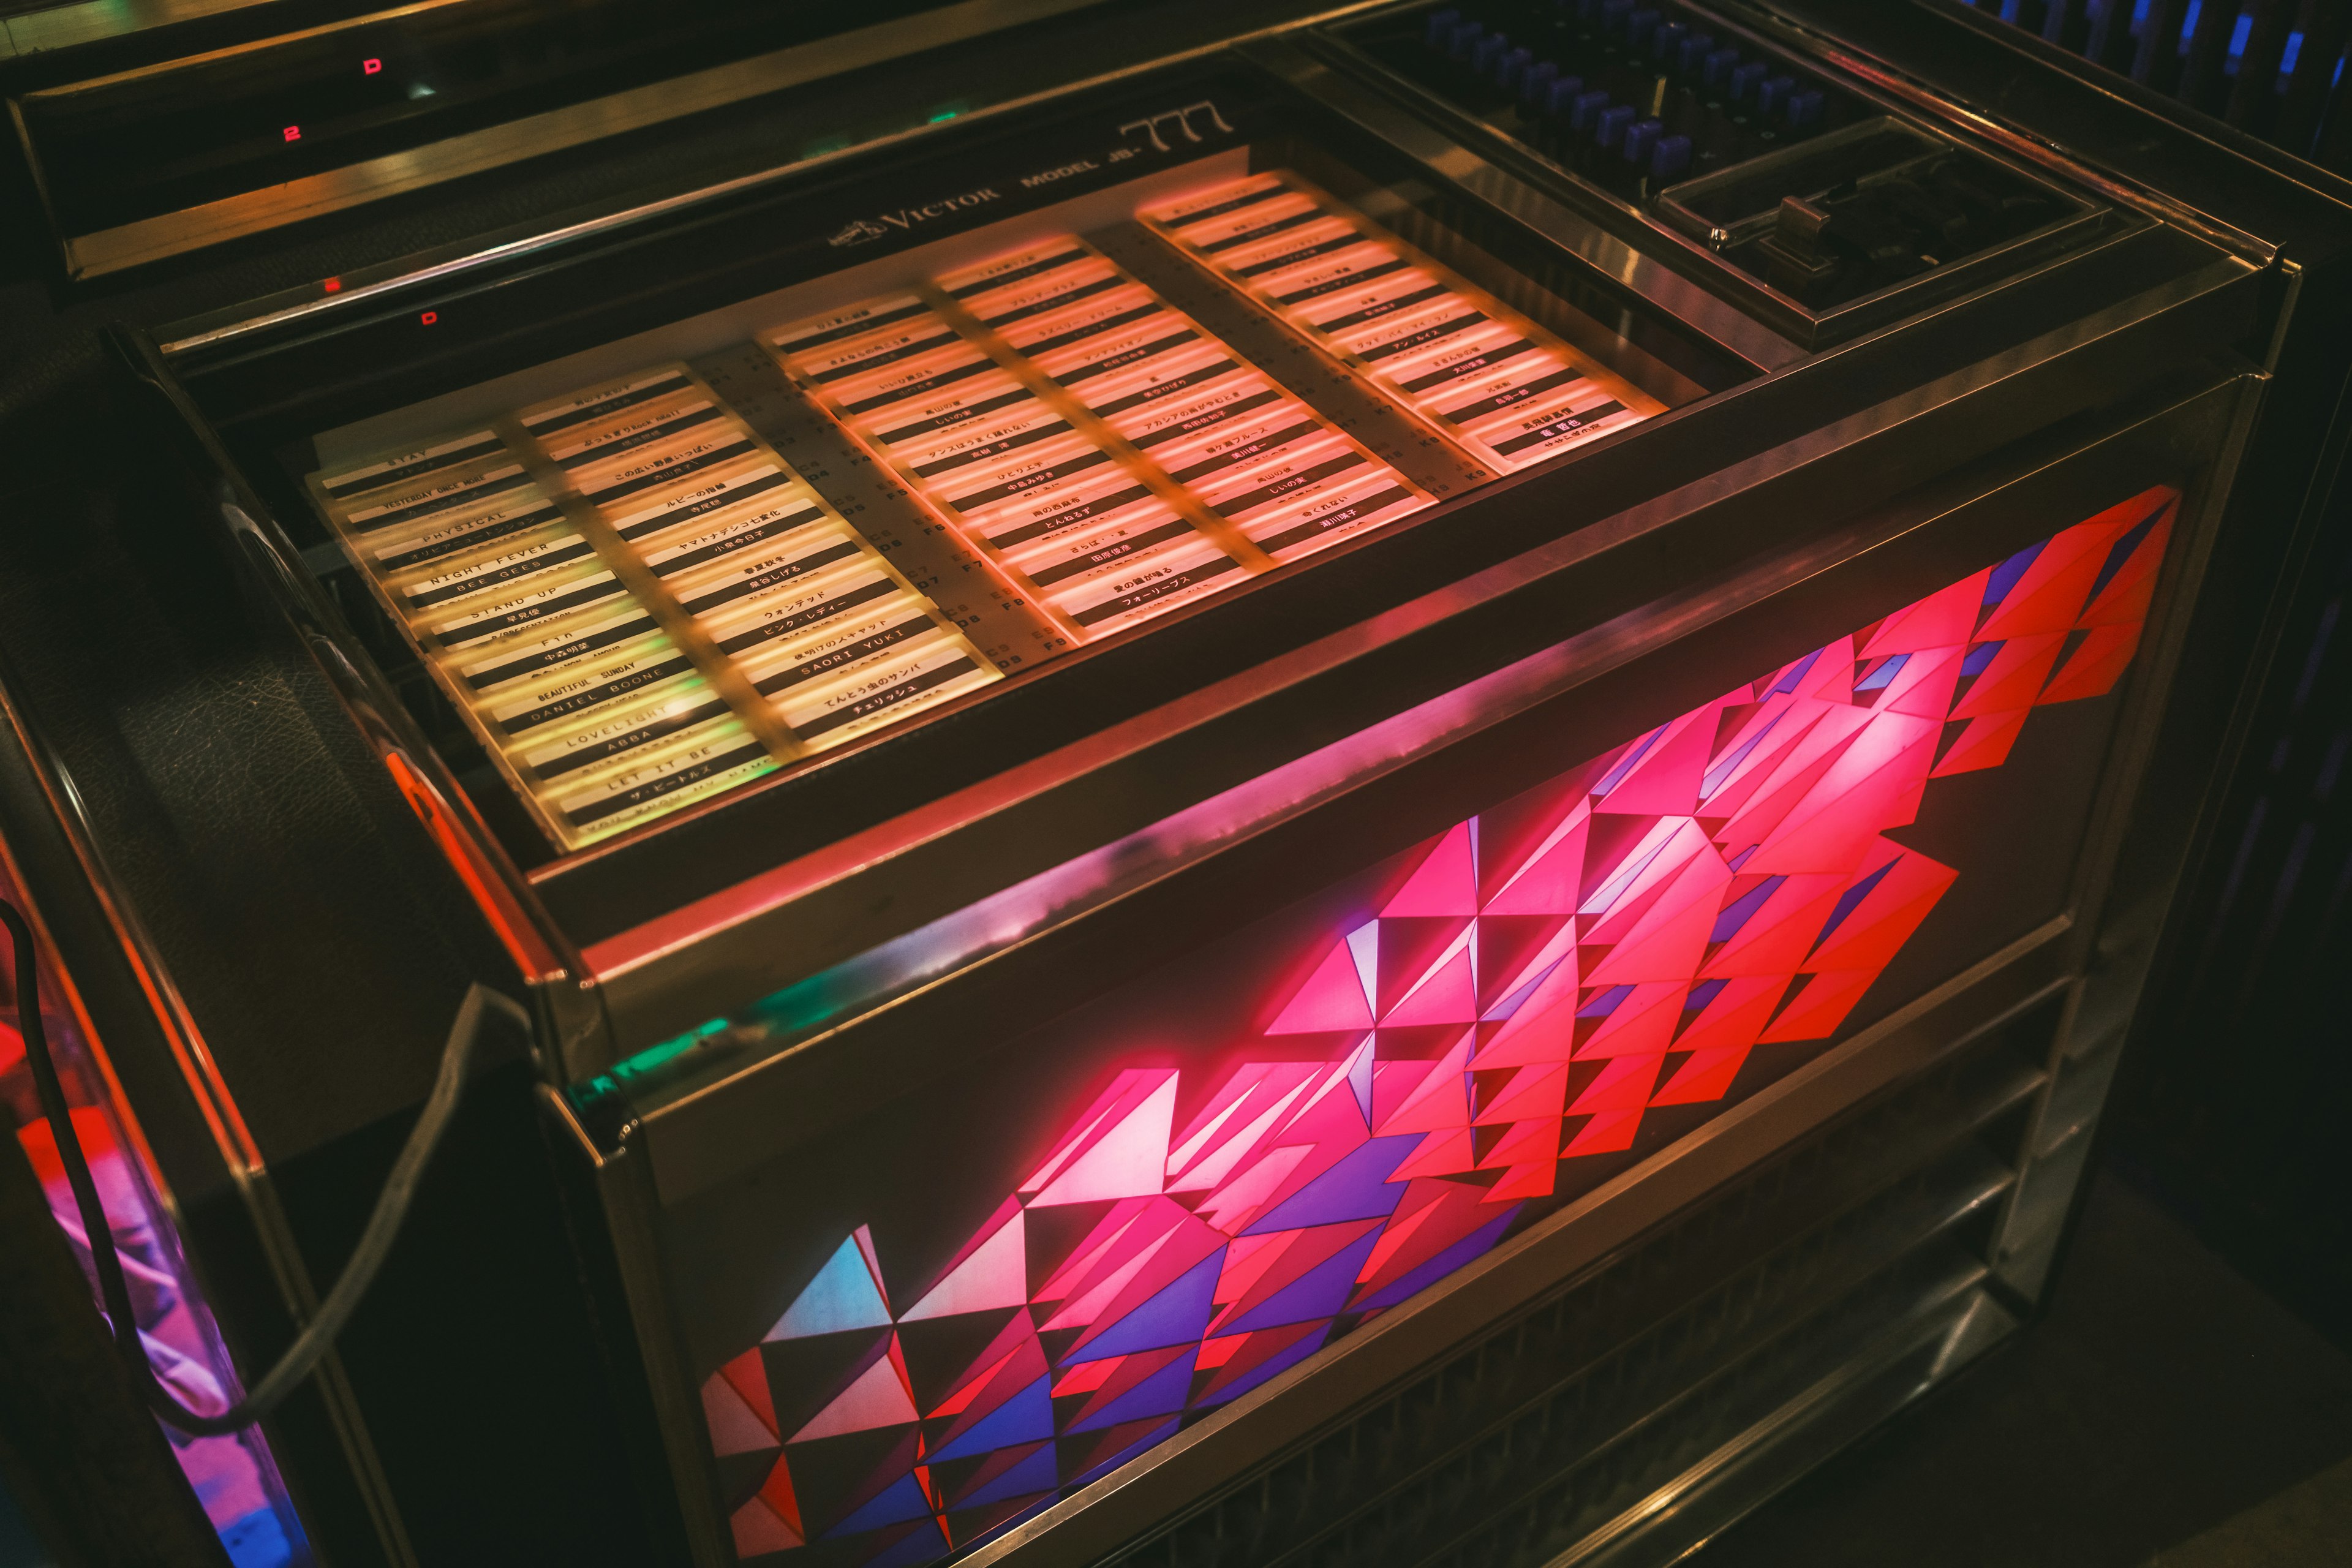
(1381, 786)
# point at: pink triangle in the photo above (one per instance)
(878, 1398)
(1666, 782)
(1625, 1084)
(1437, 1101)
(1668, 942)
(995, 1273)
(1446, 883)
(1446, 1152)
(1985, 743)
(735, 1427)
(1706, 1077)
(1333, 998)
(757, 1530)
(1924, 686)
(1447, 995)
(1940, 620)
(1545, 882)
(1128, 1161)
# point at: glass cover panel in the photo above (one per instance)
(974, 1298)
(234, 1476)
(647, 575)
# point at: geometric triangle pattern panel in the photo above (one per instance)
(1717, 887)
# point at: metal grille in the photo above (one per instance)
(1539, 1442)
(2273, 69)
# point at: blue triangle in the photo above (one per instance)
(1025, 1417)
(903, 1499)
(1175, 1316)
(1162, 1392)
(1358, 1188)
(918, 1547)
(842, 1296)
(1040, 1472)
(1850, 897)
(1737, 912)
(1320, 1293)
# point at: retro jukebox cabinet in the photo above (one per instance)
(1386, 793)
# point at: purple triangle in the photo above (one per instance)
(2005, 576)
(1320, 1293)
(1152, 1439)
(1025, 1417)
(1158, 1395)
(1178, 1313)
(1358, 1188)
(1280, 1362)
(1040, 1472)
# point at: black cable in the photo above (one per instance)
(302, 1356)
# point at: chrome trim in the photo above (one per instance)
(1716, 319)
(240, 1156)
(647, 211)
(64, 26)
(2011, 138)
(211, 223)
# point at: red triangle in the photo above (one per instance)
(2127, 594)
(1822, 1006)
(1736, 1015)
(1539, 1091)
(1985, 743)
(1533, 1180)
(1445, 882)
(1795, 718)
(1940, 620)
(1641, 1024)
(2050, 594)
(2014, 677)
(1777, 936)
(1333, 998)
(1542, 1031)
(1445, 1154)
(1611, 1133)
(1871, 936)
(1705, 1078)
(1625, 1084)
(2094, 666)
(748, 1375)
(1529, 1142)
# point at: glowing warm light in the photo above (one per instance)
(293, 134)
(369, 68)
(1719, 886)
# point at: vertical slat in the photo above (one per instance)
(2326, 29)
(2110, 43)
(2065, 22)
(2158, 62)
(2202, 82)
(2335, 138)
(2251, 101)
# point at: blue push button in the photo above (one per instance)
(1609, 129)
(1671, 157)
(1585, 109)
(1641, 141)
